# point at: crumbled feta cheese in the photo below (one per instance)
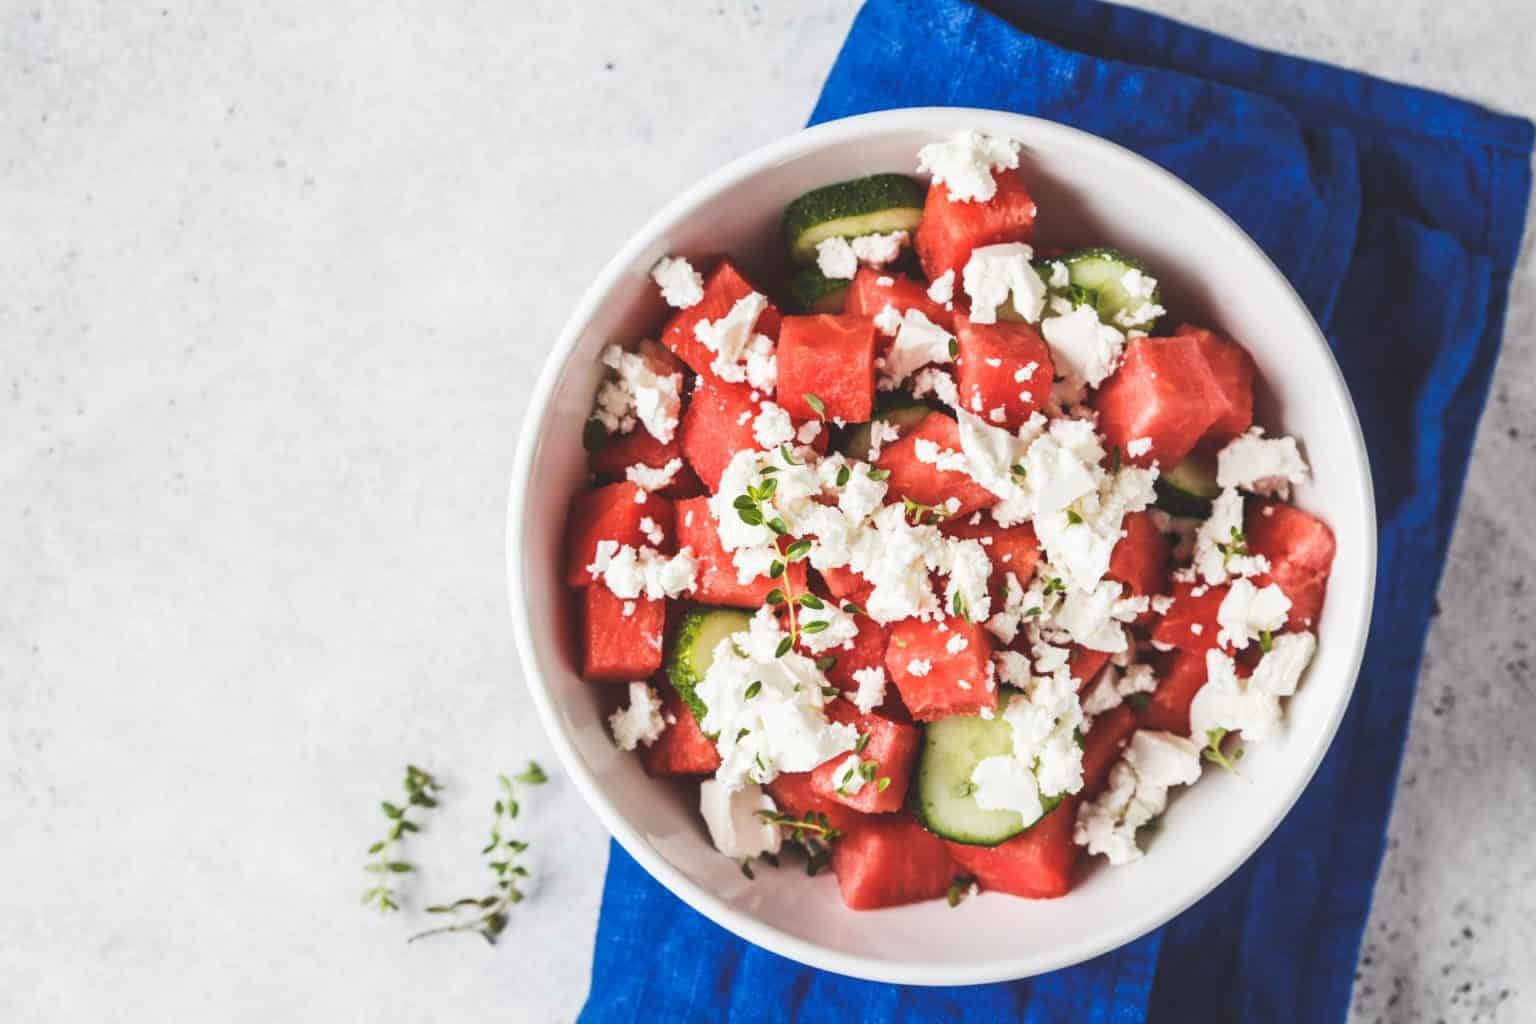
(630, 572)
(995, 272)
(639, 723)
(772, 427)
(741, 355)
(847, 778)
(781, 726)
(885, 281)
(919, 667)
(1263, 465)
(1095, 618)
(1083, 350)
(965, 163)
(653, 531)
(808, 431)
(1247, 612)
(1114, 686)
(1228, 703)
(1046, 718)
(1220, 550)
(839, 631)
(871, 688)
(1005, 783)
(919, 341)
(956, 644)
(1139, 307)
(888, 320)
(1137, 792)
(1136, 447)
(650, 478)
(628, 609)
(635, 392)
(1279, 671)
(681, 286)
(942, 289)
(878, 250)
(734, 819)
(836, 259)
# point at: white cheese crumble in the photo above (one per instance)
(964, 164)
(1264, 465)
(1220, 547)
(942, 289)
(652, 530)
(1136, 447)
(919, 341)
(1279, 671)
(1005, 783)
(870, 693)
(772, 427)
(878, 250)
(1137, 792)
(741, 355)
(734, 819)
(1140, 308)
(781, 726)
(846, 777)
(1231, 704)
(888, 320)
(995, 272)
(640, 722)
(635, 392)
(1115, 685)
(1247, 612)
(653, 478)
(839, 631)
(1083, 350)
(1096, 618)
(919, 667)
(681, 286)
(835, 258)
(631, 572)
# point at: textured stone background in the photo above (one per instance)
(276, 280)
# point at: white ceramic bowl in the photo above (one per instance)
(1088, 190)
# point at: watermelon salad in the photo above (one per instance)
(945, 560)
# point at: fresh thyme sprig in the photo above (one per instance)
(1238, 545)
(813, 834)
(959, 889)
(1214, 754)
(487, 915)
(918, 514)
(385, 858)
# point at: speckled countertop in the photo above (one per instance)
(276, 281)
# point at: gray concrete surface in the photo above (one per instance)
(276, 278)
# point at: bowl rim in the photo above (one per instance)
(1039, 132)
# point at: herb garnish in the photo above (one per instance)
(959, 889)
(817, 406)
(385, 859)
(1214, 754)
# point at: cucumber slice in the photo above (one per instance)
(900, 410)
(952, 747)
(865, 206)
(1096, 277)
(693, 649)
(1187, 489)
(810, 291)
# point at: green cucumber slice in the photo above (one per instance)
(898, 409)
(693, 649)
(810, 291)
(878, 204)
(952, 747)
(1187, 489)
(1096, 279)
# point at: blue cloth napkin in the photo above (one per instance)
(1397, 214)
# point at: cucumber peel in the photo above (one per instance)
(879, 204)
(693, 649)
(811, 291)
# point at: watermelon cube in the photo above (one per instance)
(621, 640)
(924, 482)
(950, 230)
(638, 448)
(794, 794)
(715, 573)
(1232, 372)
(1181, 676)
(867, 651)
(1300, 549)
(935, 682)
(889, 860)
(682, 748)
(716, 425)
(891, 747)
(1084, 665)
(615, 512)
(724, 286)
(832, 358)
(1140, 558)
(867, 297)
(846, 585)
(1012, 549)
(1163, 392)
(1106, 737)
(1190, 622)
(1003, 371)
(1036, 865)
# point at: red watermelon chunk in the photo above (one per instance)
(1164, 392)
(950, 230)
(618, 647)
(614, 513)
(1190, 622)
(956, 683)
(1300, 549)
(1036, 865)
(1140, 558)
(832, 358)
(926, 483)
(794, 794)
(682, 748)
(1003, 366)
(891, 746)
(1106, 738)
(890, 860)
(1182, 675)
(1084, 665)
(716, 425)
(1011, 549)
(724, 286)
(868, 651)
(846, 585)
(1232, 372)
(714, 571)
(639, 448)
(867, 297)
